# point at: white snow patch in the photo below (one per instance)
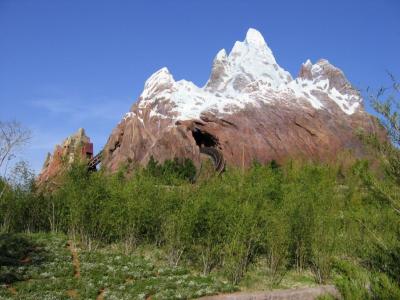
(129, 115)
(221, 55)
(160, 81)
(303, 89)
(345, 102)
(156, 114)
(249, 75)
(308, 63)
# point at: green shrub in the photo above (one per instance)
(171, 171)
(352, 281)
(383, 288)
(299, 216)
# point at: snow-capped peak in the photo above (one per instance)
(159, 81)
(255, 44)
(221, 55)
(308, 63)
(162, 75)
(249, 75)
(254, 37)
(249, 61)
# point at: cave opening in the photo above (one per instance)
(204, 139)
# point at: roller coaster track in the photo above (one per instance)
(95, 161)
(216, 156)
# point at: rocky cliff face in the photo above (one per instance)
(250, 109)
(75, 147)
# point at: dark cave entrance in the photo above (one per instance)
(204, 139)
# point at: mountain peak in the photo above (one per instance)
(219, 71)
(248, 61)
(253, 46)
(221, 55)
(159, 81)
(308, 63)
(324, 70)
(254, 37)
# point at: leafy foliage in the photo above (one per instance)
(298, 217)
(172, 170)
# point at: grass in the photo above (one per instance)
(39, 266)
(258, 278)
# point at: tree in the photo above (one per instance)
(386, 102)
(21, 176)
(13, 137)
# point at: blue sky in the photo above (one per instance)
(73, 63)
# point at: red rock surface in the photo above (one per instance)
(76, 146)
(271, 132)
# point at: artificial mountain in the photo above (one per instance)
(249, 110)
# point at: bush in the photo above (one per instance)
(355, 282)
(352, 281)
(172, 171)
(383, 288)
(301, 216)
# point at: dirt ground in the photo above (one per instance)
(289, 294)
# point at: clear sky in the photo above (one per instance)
(82, 63)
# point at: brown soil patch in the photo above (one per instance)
(100, 295)
(299, 294)
(12, 290)
(72, 294)
(75, 259)
(129, 280)
(26, 260)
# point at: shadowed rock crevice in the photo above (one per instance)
(305, 128)
(208, 145)
(117, 143)
(204, 139)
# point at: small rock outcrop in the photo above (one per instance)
(75, 147)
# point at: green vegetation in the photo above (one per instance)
(172, 171)
(323, 223)
(39, 266)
